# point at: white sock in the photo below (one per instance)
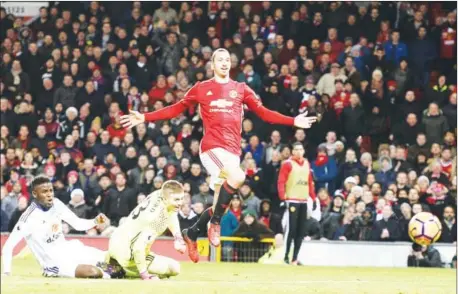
(105, 275)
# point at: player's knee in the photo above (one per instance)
(88, 272)
(236, 178)
(174, 268)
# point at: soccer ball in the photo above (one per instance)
(424, 228)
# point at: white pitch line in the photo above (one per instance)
(57, 281)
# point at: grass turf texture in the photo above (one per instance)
(243, 278)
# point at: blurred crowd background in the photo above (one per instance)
(380, 77)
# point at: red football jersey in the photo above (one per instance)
(221, 110)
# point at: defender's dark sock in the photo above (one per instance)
(297, 247)
(224, 198)
(201, 224)
(289, 240)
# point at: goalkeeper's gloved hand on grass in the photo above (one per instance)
(179, 244)
(147, 276)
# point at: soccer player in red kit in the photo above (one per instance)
(221, 103)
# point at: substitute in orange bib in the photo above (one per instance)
(295, 186)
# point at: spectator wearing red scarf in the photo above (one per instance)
(16, 178)
(325, 199)
(159, 90)
(437, 198)
(340, 99)
(50, 123)
(23, 139)
(287, 53)
(324, 169)
(327, 50)
(236, 207)
(337, 47)
(384, 34)
(268, 218)
(115, 129)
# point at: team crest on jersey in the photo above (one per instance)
(233, 94)
(292, 209)
(55, 228)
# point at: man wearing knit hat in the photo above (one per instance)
(78, 206)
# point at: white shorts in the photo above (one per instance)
(216, 161)
(73, 254)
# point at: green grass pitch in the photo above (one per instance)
(239, 278)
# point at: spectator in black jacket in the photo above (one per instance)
(40, 141)
(186, 216)
(410, 105)
(120, 201)
(70, 123)
(449, 111)
(104, 147)
(21, 207)
(331, 217)
(45, 97)
(424, 256)
(78, 206)
(66, 93)
(449, 229)
(251, 228)
(17, 81)
(88, 95)
(352, 121)
(101, 193)
(386, 229)
(406, 132)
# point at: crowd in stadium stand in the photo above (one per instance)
(380, 77)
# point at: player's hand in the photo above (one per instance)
(132, 119)
(101, 221)
(147, 276)
(179, 244)
(303, 121)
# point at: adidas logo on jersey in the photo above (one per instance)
(209, 93)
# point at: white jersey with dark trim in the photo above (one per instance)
(42, 231)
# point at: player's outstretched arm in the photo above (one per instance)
(20, 231)
(169, 112)
(135, 118)
(273, 117)
(77, 223)
(174, 227)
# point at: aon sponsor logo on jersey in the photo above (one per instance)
(222, 105)
(302, 183)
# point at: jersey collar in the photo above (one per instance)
(43, 208)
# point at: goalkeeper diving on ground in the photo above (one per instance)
(129, 247)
